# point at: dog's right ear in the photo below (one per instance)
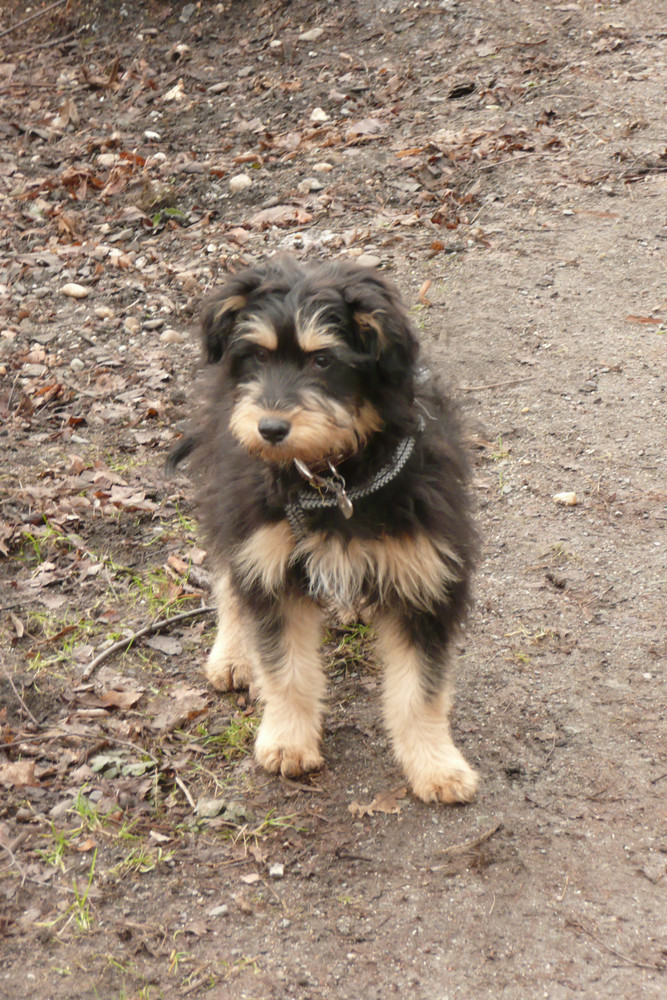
(223, 309)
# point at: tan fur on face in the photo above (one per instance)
(313, 335)
(234, 303)
(419, 726)
(415, 568)
(259, 331)
(321, 428)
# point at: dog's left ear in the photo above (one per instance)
(381, 322)
(222, 311)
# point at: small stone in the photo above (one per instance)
(107, 160)
(219, 911)
(131, 325)
(75, 291)
(566, 499)
(312, 35)
(322, 167)
(277, 870)
(103, 312)
(171, 336)
(187, 12)
(77, 365)
(368, 260)
(318, 116)
(309, 184)
(239, 182)
(219, 88)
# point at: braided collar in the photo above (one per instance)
(330, 491)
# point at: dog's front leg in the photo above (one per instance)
(417, 701)
(292, 687)
(230, 662)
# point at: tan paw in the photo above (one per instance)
(456, 785)
(227, 675)
(291, 762)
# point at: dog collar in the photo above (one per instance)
(330, 491)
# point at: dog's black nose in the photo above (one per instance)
(273, 429)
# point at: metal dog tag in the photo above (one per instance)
(345, 505)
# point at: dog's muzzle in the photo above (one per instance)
(274, 429)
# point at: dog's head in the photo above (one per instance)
(319, 358)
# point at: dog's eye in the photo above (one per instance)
(260, 354)
(320, 361)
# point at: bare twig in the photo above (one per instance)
(19, 24)
(469, 845)
(47, 45)
(653, 966)
(19, 698)
(184, 788)
(498, 385)
(146, 630)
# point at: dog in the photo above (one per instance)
(333, 476)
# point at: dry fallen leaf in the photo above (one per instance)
(385, 802)
(422, 293)
(18, 774)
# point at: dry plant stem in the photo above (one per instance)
(49, 45)
(654, 967)
(498, 385)
(468, 845)
(19, 24)
(20, 699)
(146, 630)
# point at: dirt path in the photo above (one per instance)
(506, 163)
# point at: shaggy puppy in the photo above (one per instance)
(333, 477)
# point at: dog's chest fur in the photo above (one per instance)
(348, 572)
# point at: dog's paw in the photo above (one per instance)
(290, 761)
(458, 784)
(228, 675)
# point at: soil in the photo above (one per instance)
(506, 163)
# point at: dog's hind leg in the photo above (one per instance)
(292, 687)
(230, 662)
(417, 701)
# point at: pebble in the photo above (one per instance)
(318, 116)
(171, 336)
(309, 184)
(322, 167)
(239, 182)
(312, 35)
(75, 291)
(107, 160)
(77, 365)
(368, 260)
(567, 499)
(277, 871)
(103, 312)
(219, 911)
(131, 325)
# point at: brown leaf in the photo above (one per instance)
(18, 774)
(120, 699)
(385, 802)
(280, 215)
